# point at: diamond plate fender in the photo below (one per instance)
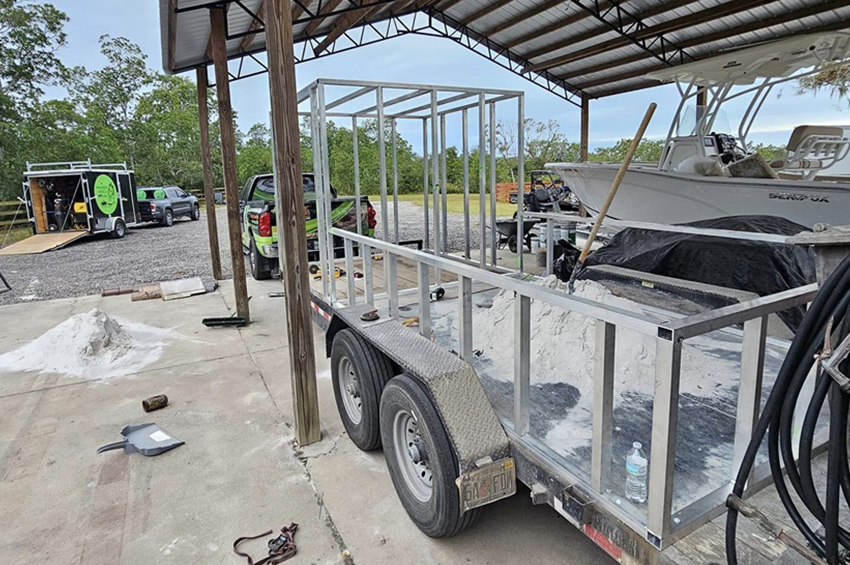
(472, 425)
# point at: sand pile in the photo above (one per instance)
(90, 345)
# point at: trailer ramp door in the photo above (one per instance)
(42, 242)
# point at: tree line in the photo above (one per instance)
(127, 112)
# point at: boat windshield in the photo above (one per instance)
(687, 123)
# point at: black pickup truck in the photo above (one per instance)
(164, 203)
(259, 229)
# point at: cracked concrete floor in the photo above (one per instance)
(239, 472)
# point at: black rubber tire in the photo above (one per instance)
(196, 213)
(119, 230)
(512, 243)
(167, 218)
(440, 517)
(259, 267)
(373, 370)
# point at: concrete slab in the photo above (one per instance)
(238, 473)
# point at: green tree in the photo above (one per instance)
(833, 78)
(648, 150)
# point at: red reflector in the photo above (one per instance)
(264, 225)
(371, 214)
(153, 207)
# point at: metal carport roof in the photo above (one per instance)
(593, 48)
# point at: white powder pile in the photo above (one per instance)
(563, 350)
(90, 345)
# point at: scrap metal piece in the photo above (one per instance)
(154, 403)
(147, 439)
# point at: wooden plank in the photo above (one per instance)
(9, 203)
(18, 222)
(42, 242)
(228, 159)
(292, 239)
(206, 164)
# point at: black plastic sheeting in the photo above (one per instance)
(754, 266)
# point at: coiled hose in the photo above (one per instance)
(829, 309)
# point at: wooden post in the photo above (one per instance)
(228, 158)
(292, 239)
(585, 117)
(209, 197)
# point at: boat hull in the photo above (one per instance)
(649, 195)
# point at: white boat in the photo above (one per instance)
(706, 171)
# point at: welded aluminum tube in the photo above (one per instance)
(322, 231)
(349, 272)
(425, 182)
(392, 283)
(424, 299)
(326, 195)
(382, 171)
(366, 253)
(493, 257)
(603, 405)
(356, 154)
(520, 144)
(465, 319)
(443, 182)
(550, 247)
(482, 180)
(395, 180)
(665, 423)
(522, 363)
(466, 184)
(435, 178)
(750, 387)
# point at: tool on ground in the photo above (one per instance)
(281, 548)
(411, 322)
(232, 320)
(611, 194)
(437, 294)
(317, 275)
(147, 439)
(154, 403)
(277, 294)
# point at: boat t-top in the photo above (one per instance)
(707, 170)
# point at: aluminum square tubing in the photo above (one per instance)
(427, 236)
(465, 318)
(443, 182)
(424, 299)
(366, 253)
(750, 386)
(482, 189)
(522, 363)
(493, 258)
(320, 202)
(435, 179)
(382, 172)
(395, 180)
(356, 156)
(520, 143)
(465, 135)
(325, 195)
(603, 405)
(349, 272)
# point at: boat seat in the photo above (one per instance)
(812, 149)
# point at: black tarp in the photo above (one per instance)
(754, 266)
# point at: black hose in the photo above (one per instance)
(832, 303)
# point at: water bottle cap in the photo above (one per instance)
(637, 445)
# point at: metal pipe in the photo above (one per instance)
(443, 182)
(349, 272)
(603, 405)
(356, 155)
(326, 186)
(321, 231)
(750, 386)
(520, 143)
(493, 258)
(424, 287)
(427, 234)
(435, 178)
(465, 135)
(465, 319)
(395, 179)
(367, 272)
(482, 190)
(522, 364)
(382, 172)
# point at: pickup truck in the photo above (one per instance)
(164, 203)
(259, 229)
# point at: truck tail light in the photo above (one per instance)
(153, 207)
(264, 225)
(371, 215)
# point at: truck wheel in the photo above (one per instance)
(359, 373)
(196, 213)
(119, 230)
(421, 461)
(167, 218)
(259, 270)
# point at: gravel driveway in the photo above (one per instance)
(411, 224)
(150, 254)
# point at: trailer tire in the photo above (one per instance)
(259, 268)
(119, 229)
(196, 213)
(359, 373)
(408, 415)
(167, 218)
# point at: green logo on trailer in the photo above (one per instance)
(105, 194)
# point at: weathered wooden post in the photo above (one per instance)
(209, 197)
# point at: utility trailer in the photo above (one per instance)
(69, 200)
(456, 439)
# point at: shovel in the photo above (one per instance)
(147, 439)
(627, 160)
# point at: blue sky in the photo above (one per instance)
(427, 60)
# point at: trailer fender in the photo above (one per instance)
(474, 429)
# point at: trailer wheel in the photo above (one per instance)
(168, 218)
(119, 230)
(359, 373)
(259, 268)
(196, 213)
(421, 461)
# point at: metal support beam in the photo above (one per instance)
(585, 129)
(603, 405)
(228, 159)
(750, 386)
(464, 322)
(558, 25)
(292, 239)
(342, 24)
(206, 164)
(522, 364)
(328, 6)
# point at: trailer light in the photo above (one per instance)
(371, 215)
(264, 224)
(153, 207)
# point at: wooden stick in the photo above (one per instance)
(617, 180)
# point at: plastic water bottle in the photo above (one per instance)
(636, 464)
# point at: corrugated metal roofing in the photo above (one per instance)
(596, 47)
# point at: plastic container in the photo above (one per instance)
(636, 467)
(534, 243)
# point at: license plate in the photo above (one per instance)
(487, 484)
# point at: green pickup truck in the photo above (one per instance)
(259, 229)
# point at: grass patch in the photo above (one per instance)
(455, 204)
(14, 235)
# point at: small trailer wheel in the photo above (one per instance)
(359, 372)
(512, 244)
(421, 461)
(119, 230)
